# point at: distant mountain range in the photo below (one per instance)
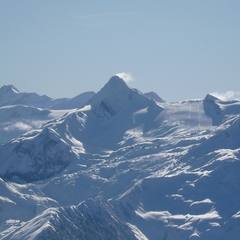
(10, 95)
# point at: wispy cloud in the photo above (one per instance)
(19, 126)
(127, 77)
(227, 96)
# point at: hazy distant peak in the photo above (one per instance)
(211, 97)
(8, 89)
(153, 96)
(116, 82)
(116, 96)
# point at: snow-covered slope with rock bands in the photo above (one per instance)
(125, 166)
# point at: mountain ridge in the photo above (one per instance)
(123, 166)
(10, 95)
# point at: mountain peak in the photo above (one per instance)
(116, 96)
(116, 82)
(113, 96)
(211, 97)
(8, 89)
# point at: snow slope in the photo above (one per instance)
(125, 167)
(37, 155)
(19, 119)
(92, 219)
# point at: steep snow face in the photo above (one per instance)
(227, 137)
(220, 110)
(92, 219)
(20, 203)
(35, 156)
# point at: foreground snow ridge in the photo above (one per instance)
(118, 164)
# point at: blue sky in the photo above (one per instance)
(180, 49)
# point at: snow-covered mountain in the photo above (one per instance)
(123, 166)
(19, 119)
(92, 219)
(220, 110)
(154, 96)
(10, 95)
(70, 103)
(21, 112)
(39, 154)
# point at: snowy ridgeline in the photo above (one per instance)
(118, 164)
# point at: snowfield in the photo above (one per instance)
(118, 164)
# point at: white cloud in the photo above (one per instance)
(227, 96)
(20, 126)
(127, 77)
